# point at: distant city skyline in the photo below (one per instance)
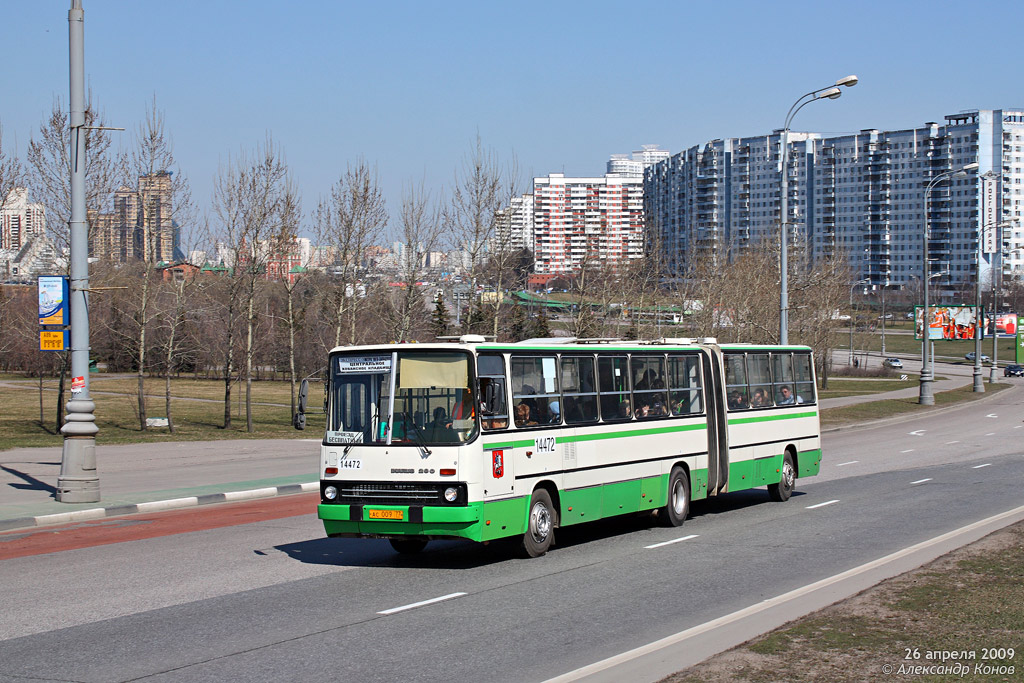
(408, 86)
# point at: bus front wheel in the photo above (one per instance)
(678, 506)
(784, 489)
(540, 527)
(408, 546)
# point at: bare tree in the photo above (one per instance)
(347, 222)
(248, 199)
(421, 230)
(10, 171)
(479, 222)
(161, 198)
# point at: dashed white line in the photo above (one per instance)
(978, 467)
(921, 481)
(909, 450)
(821, 505)
(847, 463)
(674, 540)
(991, 415)
(949, 442)
(991, 434)
(414, 605)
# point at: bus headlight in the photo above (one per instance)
(451, 493)
(330, 492)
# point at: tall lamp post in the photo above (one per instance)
(831, 92)
(979, 386)
(852, 287)
(925, 396)
(993, 375)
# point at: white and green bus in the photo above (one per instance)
(484, 441)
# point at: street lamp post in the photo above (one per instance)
(993, 376)
(925, 396)
(828, 93)
(979, 386)
(852, 287)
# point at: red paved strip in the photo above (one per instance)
(52, 539)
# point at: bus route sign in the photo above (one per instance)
(53, 340)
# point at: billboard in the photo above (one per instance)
(946, 322)
(53, 300)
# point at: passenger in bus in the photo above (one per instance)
(736, 400)
(785, 396)
(760, 399)
(624, 412)
(658, 408)
(643, 411)
(554, 413)
(439, 430)
(573, 412)
(523, 416)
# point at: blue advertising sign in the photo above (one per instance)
(53, 300)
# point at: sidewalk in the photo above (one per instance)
(163, 476)
(156, 476)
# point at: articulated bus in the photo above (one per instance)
(484, 441)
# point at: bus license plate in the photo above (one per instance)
(387, 514)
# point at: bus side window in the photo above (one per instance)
(649, 397)
(579, 394)
(535, 386)
(684, 385)
(612, 374)
(493, 404)
(782, 378)
(804, 378)
(736, 382)
(759, 380)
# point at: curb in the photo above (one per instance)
(156, 506)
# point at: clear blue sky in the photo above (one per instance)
(561, 85)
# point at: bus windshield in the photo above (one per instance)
(428, 401)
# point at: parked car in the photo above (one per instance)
(970, 356)
(1014, 371)
(895, 363)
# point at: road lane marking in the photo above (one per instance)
(909, 450)
(821, 505)
(674, 540)
(949, 442)
(978, 467)
(431, 601)
(917, 432)
(847, 463)
(921, 481)
(991, 434)
(792, 596)
(991, 415)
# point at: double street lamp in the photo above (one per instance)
(925, 396)
(831, 92)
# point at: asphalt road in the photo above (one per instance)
(274, 600)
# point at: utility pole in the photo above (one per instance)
(78, 481)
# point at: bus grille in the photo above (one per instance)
(388, 493)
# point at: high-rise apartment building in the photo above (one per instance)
(634, 165)
(578, 220)
(20, 220)
(515, 224)
(860, 194)
(140, 227)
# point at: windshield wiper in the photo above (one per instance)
(417, 432)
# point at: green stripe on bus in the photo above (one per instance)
(770, 418)
(634, 432)
(509, 444)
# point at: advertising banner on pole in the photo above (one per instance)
(53, 300)
(946, 322)
(990, 212)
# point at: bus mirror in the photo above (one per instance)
(299, 421)
(489, 392)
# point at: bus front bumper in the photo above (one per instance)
(476, 521)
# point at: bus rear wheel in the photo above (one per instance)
(677, 508)
(408, 546)
(784, 489)
(540, 527)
